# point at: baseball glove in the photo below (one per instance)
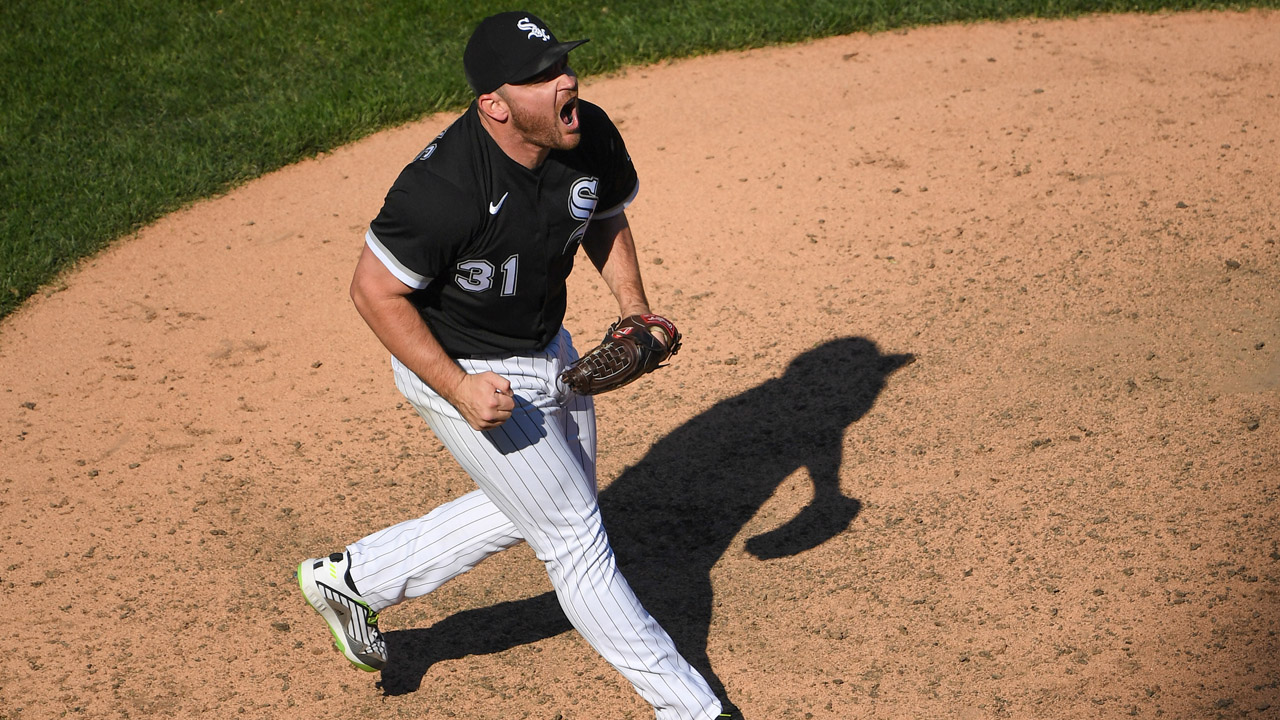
(628, 351)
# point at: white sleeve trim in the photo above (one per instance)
(617, 209)
(402, 273)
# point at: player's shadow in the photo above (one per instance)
(673, 514)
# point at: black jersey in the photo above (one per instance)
(487, 243)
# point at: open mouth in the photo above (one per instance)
(569, 112)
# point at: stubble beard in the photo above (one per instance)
(543, 131)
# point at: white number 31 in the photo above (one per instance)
(478, 275)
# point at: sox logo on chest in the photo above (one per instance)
(582, 203)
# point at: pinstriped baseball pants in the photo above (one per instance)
(537, 483)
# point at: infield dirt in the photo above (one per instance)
(977, 414)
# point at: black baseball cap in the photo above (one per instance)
(510, 47)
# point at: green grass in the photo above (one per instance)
(115, 113)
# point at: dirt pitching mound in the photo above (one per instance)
(976, 415)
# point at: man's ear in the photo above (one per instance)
(495, 106)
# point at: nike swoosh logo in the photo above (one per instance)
(494, 208)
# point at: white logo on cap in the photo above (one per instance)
(534, 30)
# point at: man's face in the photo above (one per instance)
(544, 108)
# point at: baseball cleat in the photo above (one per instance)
(352, 622)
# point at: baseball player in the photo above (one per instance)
(462, 278)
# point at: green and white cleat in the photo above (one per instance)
(353, 624)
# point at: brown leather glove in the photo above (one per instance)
(630, 349)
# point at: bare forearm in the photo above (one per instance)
(612, 250)
(397, 324)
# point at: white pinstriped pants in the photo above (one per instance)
(537, 483)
